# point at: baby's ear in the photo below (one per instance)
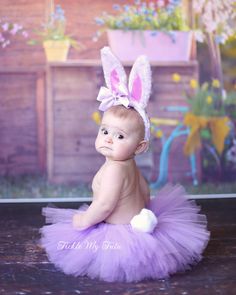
(140, 82)
(114, 72)
(142, 147)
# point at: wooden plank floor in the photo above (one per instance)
(24, 268)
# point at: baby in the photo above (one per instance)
(123, 235)
(119, 190)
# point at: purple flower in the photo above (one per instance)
(219, 39)
(99, 21)
(116, 7)
(15, 29)
(6, 43)
(175, 2)
(5, 27)
(126, 8)
(8, 31)
(1, 38)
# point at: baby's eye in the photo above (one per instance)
(120, 136)
(104, 131)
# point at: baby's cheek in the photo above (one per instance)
(97, 141)
(125, 151)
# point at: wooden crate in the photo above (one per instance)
(72, 88)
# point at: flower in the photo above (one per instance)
(54, 29)
(176, 77)
(193, 83)
(144, 16)
(215, 17)
(209, 99)
(205, 99)
(96, 117)
(9, 30)
(216, 83)
(159, 133)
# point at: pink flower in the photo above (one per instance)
(160, 3)
(25, 34)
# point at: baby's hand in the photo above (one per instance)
(78, 221)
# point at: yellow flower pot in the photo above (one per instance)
(56, 50)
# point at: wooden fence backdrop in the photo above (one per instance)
(22, 78)
(23, 129)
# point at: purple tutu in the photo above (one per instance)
(112, 252)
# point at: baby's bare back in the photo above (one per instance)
(133, 196)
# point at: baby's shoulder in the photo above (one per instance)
(116, 169)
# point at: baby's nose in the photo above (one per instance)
(108, 139)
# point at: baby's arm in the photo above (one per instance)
(145, 189)
(104, 203)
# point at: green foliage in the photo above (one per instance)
(228, 53)
(206, 101)
(230, 104)
(212, 188)
(38, 187)
(231, 98)
(30, 186)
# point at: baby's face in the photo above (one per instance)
(118, 138)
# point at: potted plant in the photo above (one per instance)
(206, 118)
(157, 29)
(55, 41)
(209, 123)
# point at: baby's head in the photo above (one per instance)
(121, 135)
(125, 129)
(131, 118)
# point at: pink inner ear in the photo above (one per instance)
(136, 92)
(114, 80)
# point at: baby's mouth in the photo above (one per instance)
(105, 147)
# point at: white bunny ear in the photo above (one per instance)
(114, 72)
(140, 82)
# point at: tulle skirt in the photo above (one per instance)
(117, 252)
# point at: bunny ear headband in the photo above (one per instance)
(136, 95)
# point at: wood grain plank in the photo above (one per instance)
(18, 140)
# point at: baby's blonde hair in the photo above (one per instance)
(131, 114)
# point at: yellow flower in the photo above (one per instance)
(96, 117)
(209, 99)
(193, 83)
(216, 83)
(159, 134)
(176, 77)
